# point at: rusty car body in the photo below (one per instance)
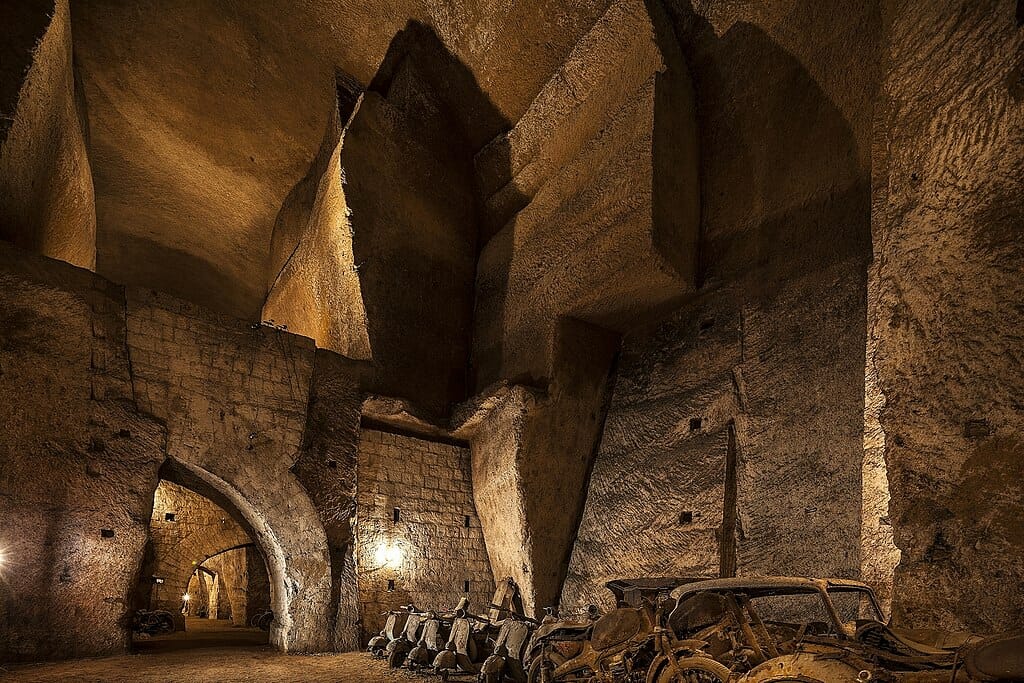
(798, 629)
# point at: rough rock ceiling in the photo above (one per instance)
(203, 114)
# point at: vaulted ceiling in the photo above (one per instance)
(203, 114)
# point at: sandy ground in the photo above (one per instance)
(209, 652)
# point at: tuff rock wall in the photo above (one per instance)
(47, 202)
(946, 292)
(772, 339)
(78, 463)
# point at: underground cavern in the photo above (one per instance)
(605, 341)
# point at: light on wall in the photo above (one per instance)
(186, 597)
(389, 555)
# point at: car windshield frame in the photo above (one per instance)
(781, 586)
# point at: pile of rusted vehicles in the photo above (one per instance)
(737, 630)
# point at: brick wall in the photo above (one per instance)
(438, 530)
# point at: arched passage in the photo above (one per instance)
(291, 541)
(189, 533)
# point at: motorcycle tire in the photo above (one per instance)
(694, 670)
(533, 673)
(396, 657)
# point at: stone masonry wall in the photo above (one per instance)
(438, 531)
(234, 398)
(106, 392)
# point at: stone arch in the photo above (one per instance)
(285, 527)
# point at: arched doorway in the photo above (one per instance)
(283, 538)
(202, 573)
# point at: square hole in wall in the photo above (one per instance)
(686, 517)
(465, 586)
(107, 533)
(396, 515)
(707, 324)
(977, 428)
(465, 521)
(695, 424)
(333, 464)
(168, 516)
(391, 585)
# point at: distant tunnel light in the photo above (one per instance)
(389, 555)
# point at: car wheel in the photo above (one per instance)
(694, 670)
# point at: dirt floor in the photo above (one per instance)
(211, 652)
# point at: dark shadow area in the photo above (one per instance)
(410, 185)
(784, 191)
(133, 255)
(202, 633)
(22, 26)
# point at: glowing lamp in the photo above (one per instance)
(389, 555)
(186, 597)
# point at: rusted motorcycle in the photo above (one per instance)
(152, 623)
(624, 645)
(434, 634)
(467, 646)
(399, 648)
(506, 663)
(393, 628)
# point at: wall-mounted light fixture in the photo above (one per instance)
(389, 555)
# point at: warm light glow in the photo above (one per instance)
(389, 555)
(186, 597)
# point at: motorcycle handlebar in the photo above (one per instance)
(513, 614)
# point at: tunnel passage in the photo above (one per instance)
(201, 563)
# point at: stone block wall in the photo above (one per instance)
(106, 392)
(438, 531)
(234, 398)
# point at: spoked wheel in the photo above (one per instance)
(694, 670)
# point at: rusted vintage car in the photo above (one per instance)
(789, 630)
(618, 646)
